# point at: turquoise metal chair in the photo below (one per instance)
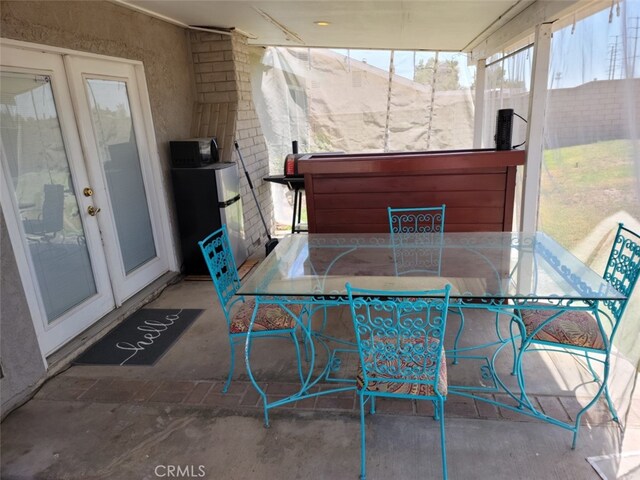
(400, 347)
(416, 234)
(578, 332)
(416, 220)
(270, 320)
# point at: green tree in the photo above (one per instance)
(447, 75)
(496, 79)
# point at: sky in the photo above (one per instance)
(579, 55)
(585, 53)
(404, 61)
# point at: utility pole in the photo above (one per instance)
(634, 37)
(613, 58)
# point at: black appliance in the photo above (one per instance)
(207, 198)
(504, 129)
(194, 152)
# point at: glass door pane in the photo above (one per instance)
(43, 190)
(118, 151)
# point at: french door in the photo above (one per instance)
(79, 197)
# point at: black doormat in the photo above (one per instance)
(141, 339)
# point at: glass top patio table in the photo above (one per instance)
(500, 265)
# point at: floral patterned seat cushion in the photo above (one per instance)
(385, 385)
(270, 317)
(577, 328)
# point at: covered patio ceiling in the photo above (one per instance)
(445, 25)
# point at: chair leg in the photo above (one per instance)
(455, 342)
(324, 319)
(603, 388)
(373, 405)
(436, 411)
(579, 416)
(363, 446)
(231, 367)
(266, 413)
(612, 409)
(593, 372)
(305, 339)
(524, 399)
(443, 447)
(298, 359)
(442, 441)
(498, 334)
(263, 395)
(513, 342)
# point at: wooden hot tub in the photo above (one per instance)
(350, 193)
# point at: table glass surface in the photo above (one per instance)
(498, 265)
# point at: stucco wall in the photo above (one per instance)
(22, 364)
(107, 29)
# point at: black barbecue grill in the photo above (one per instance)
(293, 179)
(291, 165)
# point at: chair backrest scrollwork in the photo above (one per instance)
(623, 269)
(416, 220)
(400, 334)
(417, 239)
(218, 256)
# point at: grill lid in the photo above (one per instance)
(291, 162)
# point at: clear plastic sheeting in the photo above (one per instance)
(590, 177)
(363, 101)
(360, 101)
(508, 85)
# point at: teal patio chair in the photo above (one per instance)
(416, 220)
(416, 234)
(578, 332)
(271, 320)
(399, 337)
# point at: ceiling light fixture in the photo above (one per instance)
(322, 23)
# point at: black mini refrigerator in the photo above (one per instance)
(206, 198)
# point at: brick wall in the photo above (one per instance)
(595, 111)
(225, 109)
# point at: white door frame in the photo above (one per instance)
(53, 335)
(78, 71)
(154, 170)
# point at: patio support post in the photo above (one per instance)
(535, 127)
(478, 118)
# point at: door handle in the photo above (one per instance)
(93, 211)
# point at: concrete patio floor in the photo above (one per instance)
(108, 422)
